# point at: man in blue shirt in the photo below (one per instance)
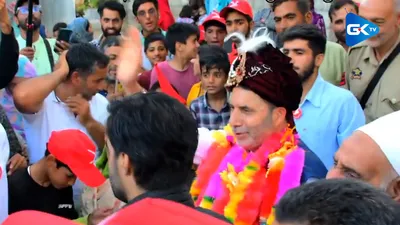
(327, 114)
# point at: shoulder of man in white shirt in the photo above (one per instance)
(4, 154)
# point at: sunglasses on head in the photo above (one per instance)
(25, 9)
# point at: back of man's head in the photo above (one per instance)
(84, 57)
(158, 134)
(337, 201)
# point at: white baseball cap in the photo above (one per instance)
(385, 132)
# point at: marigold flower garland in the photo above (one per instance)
(248, 196)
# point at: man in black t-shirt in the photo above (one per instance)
(46, 186)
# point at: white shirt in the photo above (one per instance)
(55, 115)
(4, 154)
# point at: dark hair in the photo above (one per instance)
(337, 201)
(230, 10)
(58, 163)
(186, 12)
(137, 3)
(180, 32)
(19, 3)
(307, 32)
(83, 57)
(152, 38)
(212, 56)
(113, 6)
(211, 23)
(156, 86)
(159, 135)
(110, 41)
(58, 26)
(196, 4)
(302, 5)
(337, 4)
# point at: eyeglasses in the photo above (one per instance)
(25, 9)
(151, 12)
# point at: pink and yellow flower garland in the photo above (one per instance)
(248, 196)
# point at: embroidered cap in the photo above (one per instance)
(75, 149)
(266, 71)
(385, 133)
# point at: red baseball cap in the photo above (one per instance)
(75, 149)
(242, 6)
(214, 16)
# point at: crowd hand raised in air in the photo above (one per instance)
(130, 61)
(4, 19)
(61, 46)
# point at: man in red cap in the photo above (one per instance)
(46, 186)
(239, 18)
(215, 29)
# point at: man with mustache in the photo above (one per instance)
(112, 15)
(265, 92)
(289, 13)
(337, 13)
(338, 111)
(367, 58)
(65, 99)
(371, 154)
(42, 53)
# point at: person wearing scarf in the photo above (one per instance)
(246, 168)
(82, 31)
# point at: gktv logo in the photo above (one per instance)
(355, 29)
(359, 29)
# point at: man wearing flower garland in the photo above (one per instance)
(260, 139)
(258, 157)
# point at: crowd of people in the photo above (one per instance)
(224, 116)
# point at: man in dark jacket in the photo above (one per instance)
(151, 141)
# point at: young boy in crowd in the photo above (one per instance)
(182, 42)
(212, 110)
(46, 185)
(155, 47)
